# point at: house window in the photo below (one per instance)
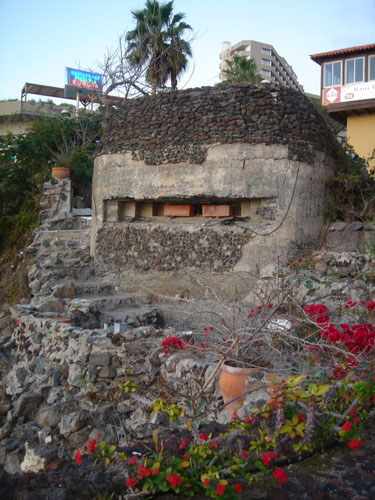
(332, 74)
(266, 52)
(371, 68)
(266, 62)
(354, 70)
(265, 72)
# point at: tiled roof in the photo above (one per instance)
(350, 50)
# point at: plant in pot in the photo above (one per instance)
(239, 342)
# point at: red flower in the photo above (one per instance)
(92, 445)
(220, 489)
(268, 457)
(131, 482)
(159, 448)
(235, 416)
(280, 475)
(212, 328)
(370, 306)
(132, 460)
(202, 345)
(354, 444)
(207, 335)
(300, 417)
(155, 471)
(206, 482)
(184, 443)
(203, 436)
(214, 444)
(143, 471)
(78, 457)
(174, 480)
(237, 487)
(356, 420)
(347, 426)
(244, 454)
(173, 342)
(186, 457)
(353, 411)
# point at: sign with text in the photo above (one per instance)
(83, 79)
(348, 93)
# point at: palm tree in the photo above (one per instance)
(240, 69)
(156, 42)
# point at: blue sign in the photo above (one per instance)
(83, 79)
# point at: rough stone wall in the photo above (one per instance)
(166, 248)
(177, 126)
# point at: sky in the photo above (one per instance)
(39, 38)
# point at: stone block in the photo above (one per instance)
(100, 358)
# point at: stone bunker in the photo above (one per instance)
(207, 181)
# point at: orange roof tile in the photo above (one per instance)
(359, 49)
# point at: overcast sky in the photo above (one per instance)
(39, 38)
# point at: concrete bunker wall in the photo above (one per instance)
(262, 152)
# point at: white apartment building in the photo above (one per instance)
(271, 66)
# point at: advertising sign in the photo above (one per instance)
(348, 93)
(83, 79)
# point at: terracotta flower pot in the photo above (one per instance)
(60, 172)
(233, 382)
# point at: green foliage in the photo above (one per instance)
(26, 160)
(15, 229)
(241, 70)
(351, 189)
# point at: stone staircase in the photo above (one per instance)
(62, 278)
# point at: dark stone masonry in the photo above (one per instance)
(176, 126)
(162, 248)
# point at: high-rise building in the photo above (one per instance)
(271, 66)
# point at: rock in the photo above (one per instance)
(100, 358)
(66, 291)
(37, 457)
(356, 226)
(71, 423)
(12, 463)
(338, 226)
(47, 416)
(26, 404)
(51, 304)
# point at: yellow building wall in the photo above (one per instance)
(361, 134)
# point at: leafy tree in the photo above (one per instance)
(240, 69)
(157, 44)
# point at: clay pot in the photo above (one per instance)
(233, 382)
(60, 172)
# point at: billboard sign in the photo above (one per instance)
(348, 93)
(83, 80)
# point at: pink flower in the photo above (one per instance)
(354, 444)
(280, 475)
